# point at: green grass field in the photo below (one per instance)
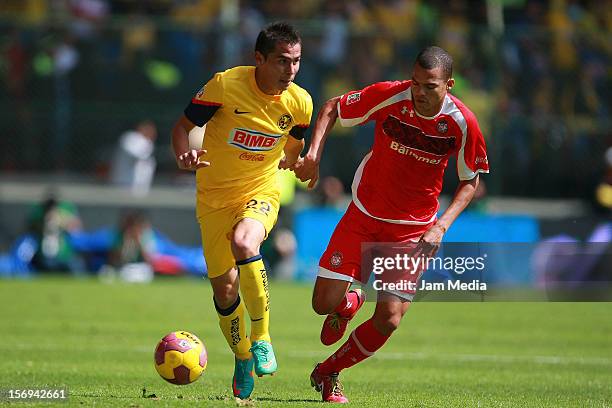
(98, 340)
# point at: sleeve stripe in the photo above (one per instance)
(463, 169)
(298, 131)
(200, 114)
(465, 173)
(348, 122)
(199, 102)
(473, 174)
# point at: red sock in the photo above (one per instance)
(349, 303)
(363, 342)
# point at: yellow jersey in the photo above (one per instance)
(246, 131)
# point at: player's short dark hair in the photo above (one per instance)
(434, 57)
(274, 33)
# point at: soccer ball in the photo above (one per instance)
(180, 357)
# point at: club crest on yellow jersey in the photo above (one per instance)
(285, 121)
(252, 140)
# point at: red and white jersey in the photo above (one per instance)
(400, 179)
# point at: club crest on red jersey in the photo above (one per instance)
(442, 126)
(336, 259)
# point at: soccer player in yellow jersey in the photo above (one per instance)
(255, 122)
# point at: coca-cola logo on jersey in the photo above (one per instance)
(251, 157)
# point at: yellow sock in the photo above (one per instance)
(254, 289)
(233, 327)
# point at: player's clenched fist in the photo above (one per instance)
(191, 160)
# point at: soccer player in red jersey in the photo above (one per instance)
(419, 125)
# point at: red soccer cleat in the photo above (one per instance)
(335, 325)
(329, 386)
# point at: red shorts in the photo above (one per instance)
(342, 258)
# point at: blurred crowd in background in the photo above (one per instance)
(90, 89)
(78, 73)
(56, 239)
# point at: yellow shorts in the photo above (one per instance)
(217, 225)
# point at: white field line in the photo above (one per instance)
(494, 358)
(394, 356)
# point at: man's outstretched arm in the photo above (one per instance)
(463, 195)
(308, 169)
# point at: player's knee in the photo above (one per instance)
(243, 247)
(387, 323)
(322, 305)
(321, 308)
(225, 295)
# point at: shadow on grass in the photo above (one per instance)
(154, 397)
(269, 399)
(220, 397)
(102, 396)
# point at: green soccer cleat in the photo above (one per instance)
(263, 357)
(243, 382)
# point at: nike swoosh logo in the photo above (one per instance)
(237, 112)
(256, 320)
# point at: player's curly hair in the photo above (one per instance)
(433, 57)
(276, 32)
